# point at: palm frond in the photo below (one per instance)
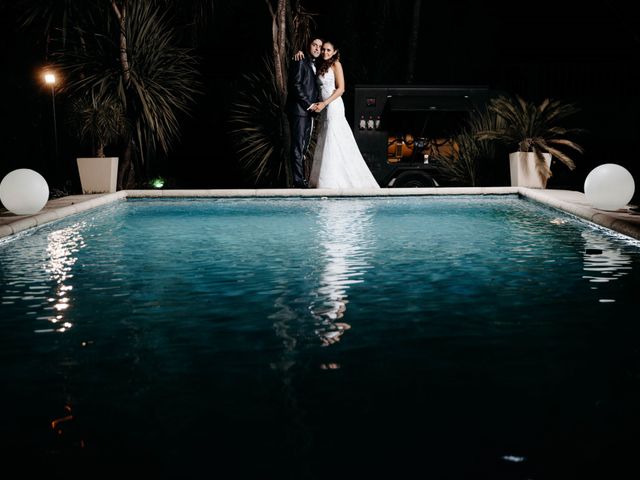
(57, 19)
(98, 119)
(567, 143)
(558, 154)
(462, 164)
(260, 129)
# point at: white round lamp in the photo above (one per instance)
(24, 191)
(609, 187)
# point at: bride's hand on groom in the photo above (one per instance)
(299, 55)
(317, 107)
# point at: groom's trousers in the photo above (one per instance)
(300, 136)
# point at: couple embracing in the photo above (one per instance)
(316, 87)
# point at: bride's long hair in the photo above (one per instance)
(325, 65)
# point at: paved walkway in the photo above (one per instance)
(622, 221)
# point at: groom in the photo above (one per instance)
(303, 92)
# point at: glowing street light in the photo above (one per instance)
(50, 79)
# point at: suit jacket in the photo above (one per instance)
(303, 87)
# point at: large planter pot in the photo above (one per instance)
(98, 175)
(525, 171)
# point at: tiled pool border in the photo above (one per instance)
(575, 203)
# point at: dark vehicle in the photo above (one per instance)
(399, 128)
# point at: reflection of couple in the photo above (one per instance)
(333, 295)
(317, 85)
(344, 243)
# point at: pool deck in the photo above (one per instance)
(622, 221)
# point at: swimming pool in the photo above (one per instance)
(300, 338)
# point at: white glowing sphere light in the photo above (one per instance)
(609, 187)
(24, 191)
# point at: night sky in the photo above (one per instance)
(588, 55)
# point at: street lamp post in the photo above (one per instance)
(50, 79)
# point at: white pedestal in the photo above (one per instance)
(525, 172)
(98, 175)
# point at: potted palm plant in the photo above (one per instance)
(536, 131)
(100, 121)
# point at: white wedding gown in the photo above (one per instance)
(337, 162)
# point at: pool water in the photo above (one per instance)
(417, 337)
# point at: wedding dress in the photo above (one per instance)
(337, 162)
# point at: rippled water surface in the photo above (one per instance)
(442, 337)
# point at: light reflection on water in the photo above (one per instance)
(604, 262)
(45, 292)
(344, 246)
(62, 249)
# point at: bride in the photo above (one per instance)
(337, 162)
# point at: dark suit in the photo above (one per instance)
(303, 91)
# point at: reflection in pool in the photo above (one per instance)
(344, 237)
(604, 260)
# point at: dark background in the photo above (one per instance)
(587, 54)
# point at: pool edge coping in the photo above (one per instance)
(58, 209)
(575, 203)
(568, 201)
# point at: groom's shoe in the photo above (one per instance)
(304, 184)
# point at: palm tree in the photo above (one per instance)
(127, 50)
(133, 56)
(101, 121)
